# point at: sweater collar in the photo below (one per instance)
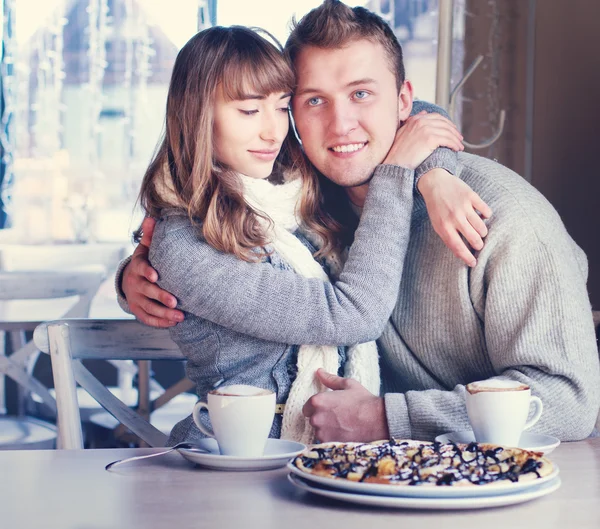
(419, 207)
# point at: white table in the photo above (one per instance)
(71, 489)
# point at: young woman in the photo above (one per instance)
(245, 236)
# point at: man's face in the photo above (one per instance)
(347, 109)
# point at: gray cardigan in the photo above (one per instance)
(240, 317)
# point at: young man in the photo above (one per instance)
(521, 312)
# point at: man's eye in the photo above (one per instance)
(314, 101)
(284, 109)
(361, 94)
(248, 112)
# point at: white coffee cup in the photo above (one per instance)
(498, 410)
(241, 417)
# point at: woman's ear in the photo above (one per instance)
(405, 101)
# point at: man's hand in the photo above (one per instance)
(139, 287)
(348, 413)
(419, 136)
(455, 209)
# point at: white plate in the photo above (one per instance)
(400, 502)
(423, 491)
(277, 453)
(536, 442)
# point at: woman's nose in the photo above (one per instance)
(275, 126)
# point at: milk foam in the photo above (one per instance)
(496, 384)
(241, 390)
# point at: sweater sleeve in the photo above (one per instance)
(121, 299)
(279, 305)
(442, 157)
(538, 330)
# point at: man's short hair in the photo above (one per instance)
(334, 25)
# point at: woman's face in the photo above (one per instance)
(248, 133)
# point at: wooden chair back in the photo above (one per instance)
(68, 342)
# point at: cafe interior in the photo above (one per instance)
(89, 395)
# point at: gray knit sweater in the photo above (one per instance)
(260, 300)
(240, 317)
(523, 312)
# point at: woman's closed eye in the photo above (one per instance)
(283, 110)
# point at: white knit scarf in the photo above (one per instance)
(279, 202)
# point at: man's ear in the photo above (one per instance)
(405, 101)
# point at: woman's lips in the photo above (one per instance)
(264, 155)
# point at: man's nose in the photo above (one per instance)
(342, 119)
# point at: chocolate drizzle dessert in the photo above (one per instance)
(416, 463)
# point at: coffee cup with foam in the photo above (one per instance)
(498, 410)
(241, 417)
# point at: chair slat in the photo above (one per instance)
(19, 375)
(116, 408)
(70, 435)
(181, 386)
(122, 339)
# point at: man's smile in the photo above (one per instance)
(348, 149)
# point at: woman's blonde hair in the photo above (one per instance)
(233, 60)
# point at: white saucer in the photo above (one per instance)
(401, 502)
(535, 442)
(277, 453)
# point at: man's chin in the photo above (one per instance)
(347, 175)
(358, 181)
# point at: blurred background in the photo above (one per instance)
(84, 85)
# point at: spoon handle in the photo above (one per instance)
(137, 458)
(147, 456)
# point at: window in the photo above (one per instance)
(89, 91)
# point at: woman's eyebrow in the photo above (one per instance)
(243, 97)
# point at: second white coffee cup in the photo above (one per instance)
(241, 417)
(498, 410)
